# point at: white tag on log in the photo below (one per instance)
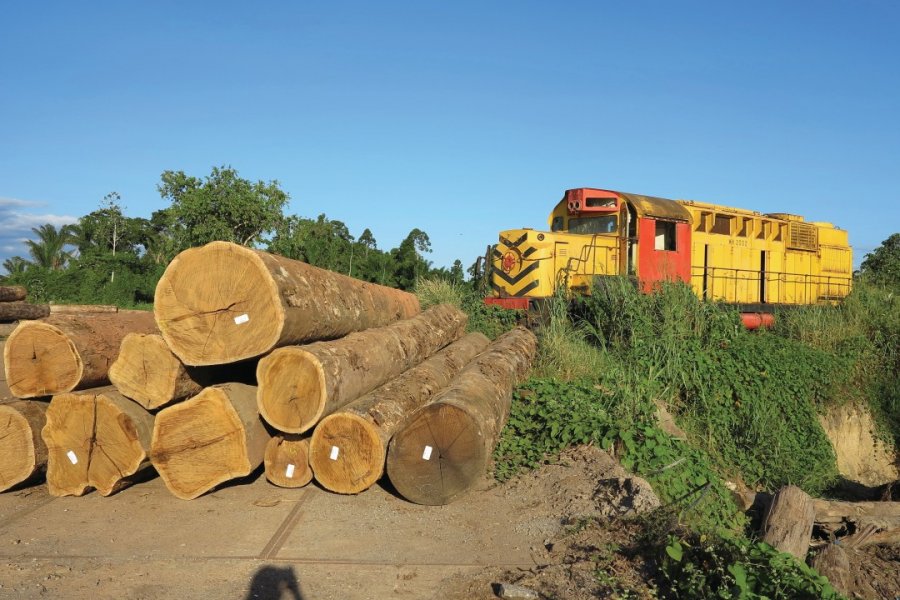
(240, 319)
(72, 458)
(334, 452)
(289, 472)
(426, 455)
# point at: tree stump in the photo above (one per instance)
(209, 439)
(788, 522)
(95, 439)
(833, 563)
(149, 373)
(349, 447)
(63, 353)
(444, 447)
(287, 461)
(23, 454)
(222, 303)
(298, 385)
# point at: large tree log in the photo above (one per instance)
(12, 293)
(349, 447)
(20, 311)
(444, 447)
(149, 373)
(83, 308)
(222, 303)
(298, 385)
(214, 437)
(23, 454)
(63, 353)
(96, 439)
(788, 522)
(287, 461)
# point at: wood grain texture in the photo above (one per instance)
(23, 453)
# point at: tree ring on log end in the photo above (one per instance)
(218, 300)
(17, 455)
(292, 389)
(40, 360)
(287, 461)
(359, 461)
(437, 455)
(199, 444)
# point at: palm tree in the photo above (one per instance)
(15, 264)
(49, 251)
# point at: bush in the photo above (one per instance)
(492, 321)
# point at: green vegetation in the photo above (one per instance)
(110, 258)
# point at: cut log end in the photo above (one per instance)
(287, 461)
(292, 389)
(199, 444)
(218, 304)
(346, 453)
(147, 372)
(40, 360)
(22, 451)
(437, 456)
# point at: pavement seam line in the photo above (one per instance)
(286, 528)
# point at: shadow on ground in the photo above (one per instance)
(275, 583)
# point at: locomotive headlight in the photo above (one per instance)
(540, 237)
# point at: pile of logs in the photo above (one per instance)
(253, 359)
(14, 308)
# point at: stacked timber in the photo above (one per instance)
(14, 308)
(97, 439)
(444, 448)
(349, 447)
(23, 454)
(66, 352)
(298, 385)
(222, 303)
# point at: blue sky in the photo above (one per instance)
(458, 118)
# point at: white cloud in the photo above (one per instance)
(17, 218)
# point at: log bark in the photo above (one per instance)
(222, 303)
(833, 563)
(287, 461)
(68, 309)
(835, 511)
(96, 439)
(12, 293)
(788, 522)
(349, 447)
(149, 373)
(444, 448)
(20, 311)
(23, 454)
(209, 439)
(298, 385)
(63, 353)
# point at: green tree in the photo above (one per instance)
(410, 264)
(49, 249)
(15, 264)
(882, 266)
(223, 206)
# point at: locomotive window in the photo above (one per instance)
(600, 202)
(607, 224)
(557, 224)
(665, 236)
(722, 225)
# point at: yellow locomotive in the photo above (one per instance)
(738, 256)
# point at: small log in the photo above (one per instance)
(349, 447)
(833, 563)
(222, 303)
(835, 511)
(149, 373)
(788, 522)
(70, 309)
(209, 439)
(63, 353)
(21, 311)
(287, 461)
(23, 454)
(96, 439)
(298, 385)
(444, 447)
(12, 293)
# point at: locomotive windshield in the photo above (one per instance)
(594, 225)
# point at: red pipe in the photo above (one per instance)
(758, 320)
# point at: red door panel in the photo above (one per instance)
(664, 252)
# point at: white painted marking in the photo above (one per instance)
(334, 452)
(427, 454)
(72, 458)
(240, 319)
(289, 472)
